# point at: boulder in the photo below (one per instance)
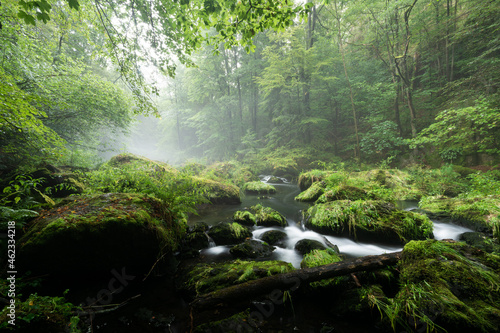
(258, 187)
(229, 233)
(252, 248)
(305, 246)
(93, 235)
(244, 217)
(268, 217)
(274, 237)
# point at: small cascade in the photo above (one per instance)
(211, 242)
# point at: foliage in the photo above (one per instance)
(464, 131)
(258, 187)
(43, 313)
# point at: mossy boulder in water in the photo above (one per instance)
(368, 221)
(91, 236)
(320, 257)
(305, 246)
(244, 217)
(306, 179)
(344, 192)
(229, 233)
(481, 213)
(268, 217)
(252, 248)
(217, 192)
(481, 241)
(258, 187)
(274, 237)
(446, 285)
(205, 278)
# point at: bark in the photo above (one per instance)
(291, 281)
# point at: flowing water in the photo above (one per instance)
(283, 201)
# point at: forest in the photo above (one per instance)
(250, 166)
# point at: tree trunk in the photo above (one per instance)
(291, 281)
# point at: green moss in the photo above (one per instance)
(244, 217)
(205, 278)
(266, 216)
(480, 213)
(312, 193)
(306, 179)
(450, 286)
(259, 187)
(217, 192)
(229, 233)
(317, 258)
(345, 192)
(95, 234)
(368, 220)
(42, 314)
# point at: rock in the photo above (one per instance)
(218, 193)
(258, 187)
(318, 257)
(274, 237)
(244, 217)
(252, 248)
(268, 217)
(369, 220)
(275, 180)
(94, 235)
(306, 179)
(344, 192)
(481, 241)
(229, 233)
(305, 246)
(199, 227)
(312, 193)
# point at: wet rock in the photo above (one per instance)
(312, 193)
(229, 233)
(481, 241)
(268, 217)
(370, 220)
(252, 248)
(274, 237)
(275, 180)
(305, 246)
(199, 227)
(244, 217)
(94, 235)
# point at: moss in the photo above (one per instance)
(42, 314)
(305, 246)
(479, 213)
(274, 237)
(266, 216)
(95, 234)
(319, 257)
(259, 187)
(345, 192)
(252, 248)
(312, 193)
(205, 278)
(217, 192)
(368, 220)
(306, 179)
(448, 285)
(229, 233)
(244, 217)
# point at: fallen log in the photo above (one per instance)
(291, 281)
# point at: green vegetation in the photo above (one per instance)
(446, 286)
(368, 220)
(244, 217)
(258, 187)
(266, 216)
(229, 233)
(132, 229)
(323, 257)
(205, 278)
(42, 313)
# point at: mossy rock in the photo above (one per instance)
(345, 192)
(127, 159)
(275, 180)
(199, 227)
(319, 257)
(304, 246)
(93, 235)
(306, 179)
(268, 217)
(449, 285)
(274, 237)
(312, 193)
(258, 187)
(229, 233)
(205, 278)
(481, 241)
(481, 213)
(244, 217)
(368, 221)
(217, 192)
(253, 249)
